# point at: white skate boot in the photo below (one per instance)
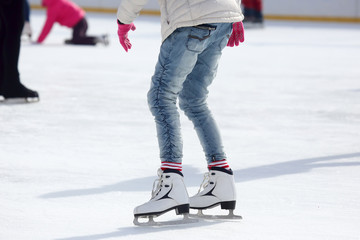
(218, 188)
(169, 192)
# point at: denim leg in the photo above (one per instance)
(174, 64)
(189, 54)
(192, 98)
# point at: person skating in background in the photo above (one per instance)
(11, 25)
(27, 31)
(253, 13)
(193, 37)
(68, 14)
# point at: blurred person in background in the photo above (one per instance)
(11, 25)
(70, 15)
(253, 13)
(27, 31)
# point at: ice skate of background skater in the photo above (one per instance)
(193, 38)
(68, 14)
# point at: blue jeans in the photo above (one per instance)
(187, 65)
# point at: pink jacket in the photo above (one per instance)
(64, 12)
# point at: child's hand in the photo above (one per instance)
(123, 30)
(237, 35)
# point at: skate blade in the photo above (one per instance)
(230, 216)
(152, 223)
(19, 100)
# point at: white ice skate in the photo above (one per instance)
(169, 193)
(218, 188)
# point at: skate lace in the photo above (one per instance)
(157, 184)
(205, 182)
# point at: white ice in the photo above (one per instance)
(74, 165)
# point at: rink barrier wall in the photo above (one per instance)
(105, 10)
(306, 10)
(312, 18)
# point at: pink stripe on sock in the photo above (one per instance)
(221, 163)
(171, 165)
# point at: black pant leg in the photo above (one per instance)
(12, 22)
(2, 46)
(79, 34)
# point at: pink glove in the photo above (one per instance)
(123, 30)
(237, 35)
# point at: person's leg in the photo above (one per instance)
(2, 47)
(174, 64)
(27, 27)
(193, 101)
(193, 97)
(13, 16)
(13, 24)
(79, 36)
(27, 11)
(220, 186)
(248, 10)
(258, 15)
(177, 58)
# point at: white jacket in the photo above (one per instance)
(184, 13)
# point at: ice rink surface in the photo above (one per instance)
(74, 165)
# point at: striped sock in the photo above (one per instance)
(220, 163)
(171, 165)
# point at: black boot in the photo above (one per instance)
(21, 92)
